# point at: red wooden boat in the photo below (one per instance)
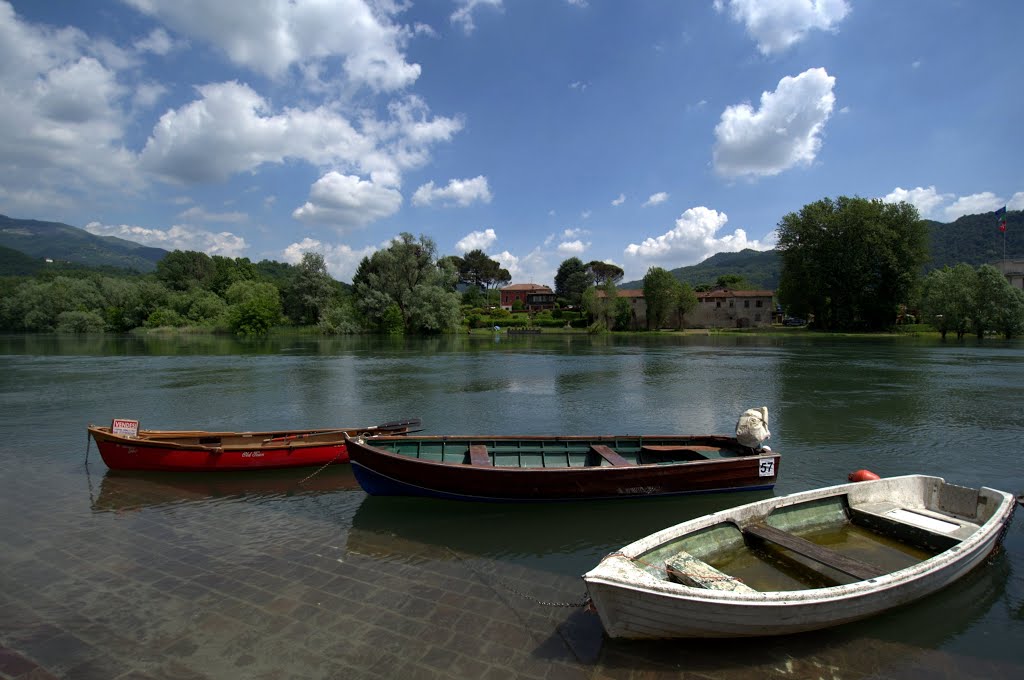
(125, 447)
(532, 468)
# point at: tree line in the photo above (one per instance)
(848, 264)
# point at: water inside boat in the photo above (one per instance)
(814, 545)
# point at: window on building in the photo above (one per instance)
(746, 304)
(759, 303)
(718, 303)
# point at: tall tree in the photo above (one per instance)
(686, 302)
(661, 293)
(603, 272)
(948, 298)
(311, 290)
(851, 261)
(572, 279)
(184, 269)
(404, 282)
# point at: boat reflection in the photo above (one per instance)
(129, 491)
(409, 528)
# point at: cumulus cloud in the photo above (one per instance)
(342, 260)
(158, 42)
(974, 204)
(534, 267)
(460, 192)
(477, 240)
(198, 214)
(655, 199)
(778, 24)
(463, 15)
(272, 36)
(933, 205)
(177, 237)
(346, 201)
(232, 129)
(620, 200)
(576, 247)
(693, 239)
(62, 120)
(927, 201)
(785, 131)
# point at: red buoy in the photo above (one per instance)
(862, 476)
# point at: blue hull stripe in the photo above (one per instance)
(376, 484)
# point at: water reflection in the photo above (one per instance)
(132, 491)
(578, 533)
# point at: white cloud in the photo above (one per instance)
(272, 36)
(461, 192)
(620, 200)
(576, 247)
(655, 199)
(198, 214)
(463, 15)
(62, 119)
(342, 260)
(178, 237)
(231, 129)
(933, 205)
(974, 204)
(693, 239)
(777, 24)
(346, 201)
(533, 267)
(477, 240)
(927, 201)
(784, 132)
(158, 42)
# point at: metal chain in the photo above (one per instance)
(322, 468)
(573, 605)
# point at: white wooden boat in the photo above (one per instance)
(799, 562)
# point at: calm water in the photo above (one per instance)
(269, 576)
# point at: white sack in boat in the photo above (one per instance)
(752, 427)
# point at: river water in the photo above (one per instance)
(271, 575)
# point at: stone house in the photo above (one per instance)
(722, 308)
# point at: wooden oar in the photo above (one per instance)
(384, 427)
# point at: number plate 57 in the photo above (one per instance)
(766, 468)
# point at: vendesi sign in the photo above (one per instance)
(124, 428)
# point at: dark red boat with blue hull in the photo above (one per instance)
(550, 468)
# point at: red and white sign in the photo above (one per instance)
(124, 428)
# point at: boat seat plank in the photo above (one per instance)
(609, 455)
(821, 554)
(690, 571)
(478, 455)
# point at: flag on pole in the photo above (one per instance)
(1001, 216)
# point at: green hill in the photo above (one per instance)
(760, 268)
(974, 239)
(62, 242)
(16, 263)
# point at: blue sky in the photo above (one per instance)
(644, 133)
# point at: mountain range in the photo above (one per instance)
(60, 242)
(25, 245)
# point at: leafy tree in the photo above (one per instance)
(254, 307)
(476, 269)
(80, 322)
(603, 272)
(473, 297)
(948, 297)
(310, 292)
(686, 302)
(732, 282)
(164, 317)
(623, 314)
(203, 307)
(1010, 320)
(36, 305)
(572, 279)
(850, 261)
(405, 277)
(661, 292)
(989, 298)
(184, 269)
(230, 270)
